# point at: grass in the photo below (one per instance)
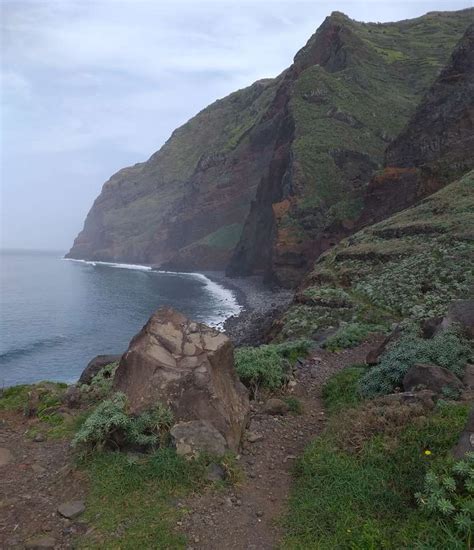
(350, 335)
(365, 500)
(130, 499)
(342, 389)
(267, 366)
(16, 398)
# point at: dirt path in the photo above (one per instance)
(246, 516)
(35, 478)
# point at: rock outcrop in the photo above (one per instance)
(95, 365)
(465, 443)
(431, 377)
(266, 179)
(188, 367)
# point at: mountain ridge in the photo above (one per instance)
(256, 180)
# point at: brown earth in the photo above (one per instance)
(39, 477)
(246, 516)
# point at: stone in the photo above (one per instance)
(461, 313)
(215, 472)
(373, 357)
(276, 406)
(425, 398)
(465, 442)
(6, 456)
(94, 367)
(253, 437)
(197, 436)
(71, 509)
(190, 368)
(40, 541)
(468, 378)
(431, 377)
(39, 438)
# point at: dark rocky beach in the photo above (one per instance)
(261, 305)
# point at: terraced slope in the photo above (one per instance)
(410, 266)
(302, 147)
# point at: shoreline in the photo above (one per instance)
(258, 304)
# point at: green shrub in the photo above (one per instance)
(449, 494)
(342, 389)
(350, 335)
(109, 425)
(101, 384)
(447, 349)
(267, 366)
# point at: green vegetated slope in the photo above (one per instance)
(411, 265)
(149, 211)
(360, 104)
(349, 91)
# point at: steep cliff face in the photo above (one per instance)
(186, 205)
(352, 89)
(437, 144)
(269, 177)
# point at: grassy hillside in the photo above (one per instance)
(408, 266)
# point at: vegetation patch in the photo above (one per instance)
(342, 389)
(448, 350)
(362, 500)
(129, 504)
(268, 366)
(350, 335)
(111, 426)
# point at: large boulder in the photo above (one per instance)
(461, 313)
(430, 377)
(95, 366)
(189, 367)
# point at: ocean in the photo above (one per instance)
(56, 314)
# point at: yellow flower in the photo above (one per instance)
(427, 452)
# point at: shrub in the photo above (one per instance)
(447, 349)
(100, 386)
(267, 366)
(449, 494)
(350, 335)
(109, 425)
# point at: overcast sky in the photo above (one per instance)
(90, 86)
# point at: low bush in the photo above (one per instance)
(448, 494)
(101, 384)
(342, 389)
(350, 335)
(110, 426)
(268, 366)
(447, 349)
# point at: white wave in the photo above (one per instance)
(94, 263)
(226, 304)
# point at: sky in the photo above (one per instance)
(91, 86)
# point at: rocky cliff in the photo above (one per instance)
(269, 177)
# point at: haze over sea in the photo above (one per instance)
(56, 315)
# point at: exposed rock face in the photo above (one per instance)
(435, 147)
(189, 367)
(95, 365)
(461, 314)
(430, 377)
(265, 180)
